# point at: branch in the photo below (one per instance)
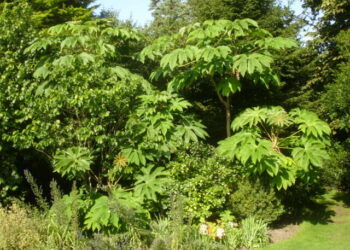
(186, 64)
(220, 97)
(43, 152)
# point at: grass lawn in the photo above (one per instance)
(328, 228)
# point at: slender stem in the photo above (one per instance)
(186, 64)
(295, 133)
(227, 105)
(264, 128)
(228, 116)
(219, 96)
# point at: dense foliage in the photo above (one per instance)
(204, 180)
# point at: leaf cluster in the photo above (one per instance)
(223, 51)
(158, 127)
(285, 146)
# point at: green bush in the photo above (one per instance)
(336, 173)
(253, 199)
(204, 180)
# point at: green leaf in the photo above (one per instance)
(72, 162)
(149, 183)
(69, 42)
(241, 64)
(312, 153)
(64, 61)
(250, 117)
(99, 214)
(228, 85)
(280, 43)
(86, 58)
(42, 72)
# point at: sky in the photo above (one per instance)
(138, 10)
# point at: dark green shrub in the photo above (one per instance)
(254, 199)
(336, 173)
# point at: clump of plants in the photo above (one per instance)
(177, 232)
(21, 228)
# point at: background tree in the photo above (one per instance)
(48, 13)
(17, 29)
(231, 10)
(169, 16)
(334, 18)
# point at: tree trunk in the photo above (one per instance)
(228, 116)
(227, 105)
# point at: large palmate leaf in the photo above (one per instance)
(277, 116)
(126, 200)
(249, 118)
(72, 162)
(311, 153)
(100, 215)
(228, 85)
(309, 123)
(149, 183)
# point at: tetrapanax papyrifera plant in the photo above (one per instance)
(279, 145)
(221, 52)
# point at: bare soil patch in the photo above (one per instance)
(283, 233)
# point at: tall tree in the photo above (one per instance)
(334, 16)
(279, 21)
(20, 23)
(169, 16)
(48, 13)
(230, 9)
(330, 17)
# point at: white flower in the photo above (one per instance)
(203, 229)
(232, 224)
(220, 233)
